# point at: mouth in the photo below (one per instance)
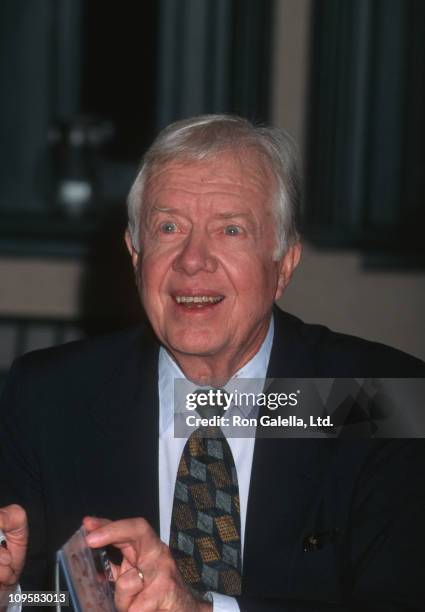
(198, 302)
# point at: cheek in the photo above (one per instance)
(152, 277)
(252, 276)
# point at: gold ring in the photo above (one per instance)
(140, 574)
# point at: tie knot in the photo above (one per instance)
(210, 402)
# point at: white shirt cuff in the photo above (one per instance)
(222, 603)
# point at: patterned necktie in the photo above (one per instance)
(205, 524)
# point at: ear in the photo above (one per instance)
(130, 248)
(287, 266)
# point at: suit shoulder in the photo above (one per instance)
(337, 354)
(92, 355)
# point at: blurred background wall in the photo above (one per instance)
(85, 86)
(370, 290)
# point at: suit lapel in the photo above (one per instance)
(285, 478)
(117, 467)
(291, 355)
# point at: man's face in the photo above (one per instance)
(205, 270)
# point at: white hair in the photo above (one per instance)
(199, 138)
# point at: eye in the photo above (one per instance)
(168, 227)
(232, 230)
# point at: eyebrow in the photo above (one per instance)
(223, 215)
(232, 214)
(163, 209)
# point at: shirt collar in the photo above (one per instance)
(169, 371)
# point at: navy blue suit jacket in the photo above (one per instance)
(79, 435)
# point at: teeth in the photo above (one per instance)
(198, 299)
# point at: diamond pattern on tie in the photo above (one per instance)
(226, 529)
(205, 523)
(188, 569)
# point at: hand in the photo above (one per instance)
(13, 522)
(162, 586)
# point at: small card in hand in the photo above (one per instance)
(88, 575)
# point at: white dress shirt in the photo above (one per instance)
(171, 448)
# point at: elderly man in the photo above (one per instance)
(249, 524)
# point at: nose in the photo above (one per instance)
(195, 255)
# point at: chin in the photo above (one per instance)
(200, 346)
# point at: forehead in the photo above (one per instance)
(234, 175)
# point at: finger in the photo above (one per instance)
(127, 587)
(5, 558)
(135, 531)
(115, 569)
(8, 575)
(94, 522)
(13, 519)
(7, 578)
(125, 565)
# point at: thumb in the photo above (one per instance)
(94, 522)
